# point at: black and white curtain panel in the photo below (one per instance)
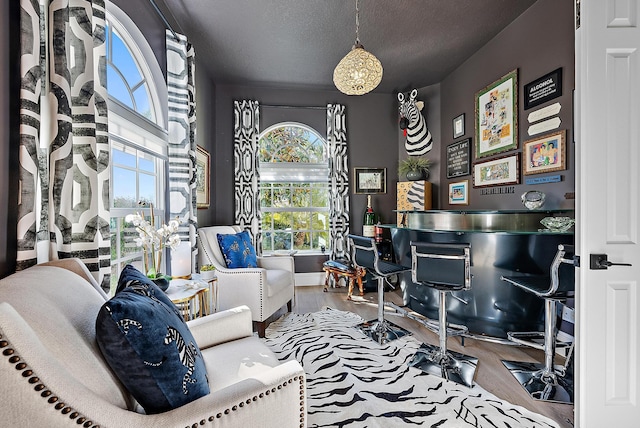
(247, 177)
(182, 139)
(338, 180)
(63, 210)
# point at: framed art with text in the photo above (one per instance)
(459, 158)
(370, 180)
(543, 89)
(496, 120)
(546, 153)
(497, 172)
(202, 178)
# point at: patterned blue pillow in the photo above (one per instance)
(149, 347)
(237, 250)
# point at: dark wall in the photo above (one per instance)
(149, 24)
(371, 135)
(536, 43)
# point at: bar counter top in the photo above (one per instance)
(474, 221)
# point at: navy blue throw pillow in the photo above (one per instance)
(149, 347)
(237, 250)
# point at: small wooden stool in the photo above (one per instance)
(350, 273)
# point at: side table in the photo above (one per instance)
(194, 298)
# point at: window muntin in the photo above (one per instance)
(294, 188)
(126, 82)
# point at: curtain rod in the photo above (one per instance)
(161, 15)
(301, 107)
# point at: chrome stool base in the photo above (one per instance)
(453, 366)
(557, 389)
(382, 331)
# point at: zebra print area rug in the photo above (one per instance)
(354, 382)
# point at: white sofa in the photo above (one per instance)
(53, 374)
(264, 289)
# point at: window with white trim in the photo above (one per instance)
(294, 188)
(137, 134)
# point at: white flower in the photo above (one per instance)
(153, 241)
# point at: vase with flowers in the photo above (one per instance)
(153, 242)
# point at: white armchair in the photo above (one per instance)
(264, 289)
(54, 375)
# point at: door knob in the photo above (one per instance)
(600, 261)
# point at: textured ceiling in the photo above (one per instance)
(297, 43)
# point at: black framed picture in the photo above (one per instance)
(543, 89)
(458, 126)
(370, 180)
(459, 158)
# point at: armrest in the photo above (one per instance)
(277, 262)
(221, 327)
(274, 397)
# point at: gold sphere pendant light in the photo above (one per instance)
(359, 71)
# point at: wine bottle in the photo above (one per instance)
(369, 221)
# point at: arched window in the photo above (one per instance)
(137, 133)
(294, 188)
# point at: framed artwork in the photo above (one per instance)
(458, 126)
(459, 193)
(202, 178)
(546, 153)
(543, 89)
(497, 172)
(497, 116)
(458, 158)
(370, 180)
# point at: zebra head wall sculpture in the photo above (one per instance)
(418, 138)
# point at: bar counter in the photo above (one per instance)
(502, 243)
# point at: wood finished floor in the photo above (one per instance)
(491, 374)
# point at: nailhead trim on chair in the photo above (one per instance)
(234, 408)
(82, 420)
(40, 387)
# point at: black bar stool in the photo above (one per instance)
(546, 382)
(446, 268)
(364, 254)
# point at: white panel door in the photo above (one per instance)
(608, 208)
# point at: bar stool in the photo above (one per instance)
(546, 382)
(364, 253)
(446, 268)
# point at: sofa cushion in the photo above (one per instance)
(148, 345)
(238, 250)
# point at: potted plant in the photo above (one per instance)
(414, 168)
(207, 272)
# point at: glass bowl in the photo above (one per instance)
(533, 199)
(558, 224)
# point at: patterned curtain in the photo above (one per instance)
(182, 139)
(247, 178)
(63, 209)
(338, 180)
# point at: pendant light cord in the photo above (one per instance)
(357, 24)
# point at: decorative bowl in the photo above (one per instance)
(558, 224)
(533, 199)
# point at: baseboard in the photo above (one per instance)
(309, 278)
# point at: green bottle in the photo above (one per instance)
(369, 221)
